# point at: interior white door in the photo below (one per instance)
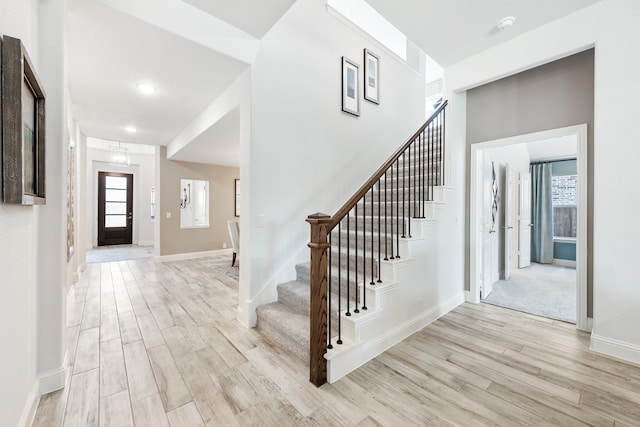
(510, 220)
(524, 247)
(487, 229)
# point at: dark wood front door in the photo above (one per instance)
(115, 208)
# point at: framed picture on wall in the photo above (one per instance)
(237, 203)
(350, 88)
(23, 127)
(371, 77)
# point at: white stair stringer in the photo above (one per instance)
(415, 290)
(413, 294)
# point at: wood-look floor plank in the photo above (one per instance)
(142, 383)
(185, 416)
(173, 391)
(88, 352)
(151, 334)
(115, 410)
(301, 399)
(129, 330)
(149, 412)
(123, 303)
(82, 402)
(113, 376)
(109, 326)
(51, 409)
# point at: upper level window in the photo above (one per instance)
(360, 13)
(565, 210)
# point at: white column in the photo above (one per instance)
(50, 261)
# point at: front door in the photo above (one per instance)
(115, 208)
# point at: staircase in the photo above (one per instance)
(380, 251)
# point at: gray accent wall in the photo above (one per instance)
(554, 95)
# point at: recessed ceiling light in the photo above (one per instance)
(146, 88)
(131, 129)
(505, 22)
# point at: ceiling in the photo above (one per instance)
(111, 51)
(452, 30)
(182, 48)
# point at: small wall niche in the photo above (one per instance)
(194, 203)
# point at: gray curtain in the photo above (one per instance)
(541, 213)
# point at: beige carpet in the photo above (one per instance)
(542, 289)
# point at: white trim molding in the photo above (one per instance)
(564, 262)
(580, 131)
(193, 255)
(55, 379)
(615, 348)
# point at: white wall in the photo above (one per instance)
(616, 290)
(306, 154)
(143, 168)
(18, 289)
(32, 317)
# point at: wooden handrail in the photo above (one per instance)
(344, 210)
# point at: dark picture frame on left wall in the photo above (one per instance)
(23, 127)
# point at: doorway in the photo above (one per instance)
(115, 208)
(477, 206)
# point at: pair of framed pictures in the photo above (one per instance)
(350, 79)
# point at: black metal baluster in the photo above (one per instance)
(421, 165)
(386, 252)
(379, 230)
(433, 165)
(429, 140)
(411, 204)
(373, 238)
(330, 346)
(355, 288)
(442, 144)
(348, 313)
(397, 209)
(391, 217)
(339, 283)
(404, 179)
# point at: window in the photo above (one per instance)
(565, 210)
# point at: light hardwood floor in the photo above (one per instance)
(157, 344)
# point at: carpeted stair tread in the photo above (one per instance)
(281, 325)
(295, 295)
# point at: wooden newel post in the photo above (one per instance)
(318, 281)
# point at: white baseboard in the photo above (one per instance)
(469, 297)
(193, 255)
(30, 407)
(615, 348)
(564, 263)
(589, 324)
(146, 243)
(54, 379)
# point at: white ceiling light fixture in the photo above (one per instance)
(146, 88)
(118, 155)
(131, 129)
(505, 22)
